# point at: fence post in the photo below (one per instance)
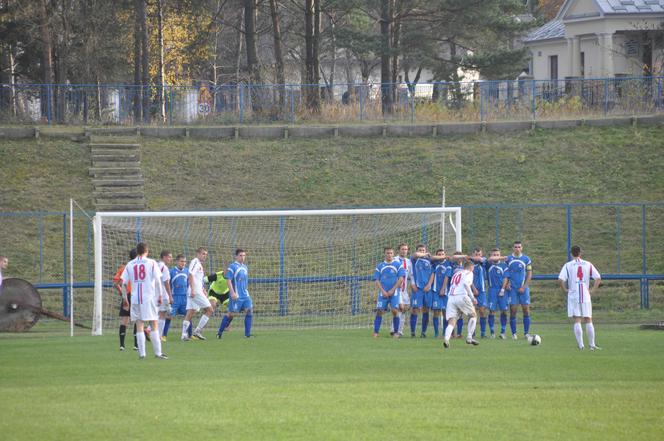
(645, 301)
(283, 286)
(241, 100)
(65, 288)
(606, 96)
(497, 227)
(618, 237)
(659, 94)
(170, 104)
(292, 105)
(568, 209)
(482, 117)
(533, 104)
(362, 103)
(412, 106)
(49, 103)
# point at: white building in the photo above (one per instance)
(600, 38)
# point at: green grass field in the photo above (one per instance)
(334, 385)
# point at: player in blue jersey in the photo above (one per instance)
(389, 275)
(439, 303)
(237, 275)
(420, 299)
(479, 283)
(179, 287)
(496, 268)
(519, 273)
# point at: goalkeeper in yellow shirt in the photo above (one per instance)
(218, 292)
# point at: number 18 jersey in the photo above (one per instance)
(145, 277)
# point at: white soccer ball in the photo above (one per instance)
(534, 340)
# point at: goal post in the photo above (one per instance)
(307, 268)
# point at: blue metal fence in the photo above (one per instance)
(620, 238)
(523, 99)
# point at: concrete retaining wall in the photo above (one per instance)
(369, 130)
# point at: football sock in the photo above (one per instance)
(156, 342)
(377, 321)
(492, 321)
(459, 326)
(425, 322)
(483, 326)
(526, 324)
(448, 332)
(167, 326)
(413, 323)
(185, 327)
(402, 320)
(247, 324)
(503, 323)
(224, 324)
(578, 333)
(590, 330)
(161, 322)
(513, 324)
(135, 339)
(123, 332)
(202, 323)
(436, 325)
(190, 329)
(141, 343)
(471, 327)
(396, 322)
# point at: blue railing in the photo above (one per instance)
(522, 99)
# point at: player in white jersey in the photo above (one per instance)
(165, 260)
(574, 279)
(198, 298)
(402, 292)
(461, 301)
(145, 278)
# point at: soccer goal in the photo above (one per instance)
(307, 268)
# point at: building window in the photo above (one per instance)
(553, 67)
(583, 64)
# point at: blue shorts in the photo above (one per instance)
(439, 302)
(519, 299)
(482, 300)
(497, 302)
(179, 306)
(241, 304)
(386, 303)
(417, 299)
(427, 301)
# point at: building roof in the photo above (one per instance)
(552, 30)
(556, 28)
(631, 6)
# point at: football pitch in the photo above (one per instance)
(334, 385)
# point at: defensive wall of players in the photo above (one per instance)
(315, 132)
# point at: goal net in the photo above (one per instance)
(307, 268)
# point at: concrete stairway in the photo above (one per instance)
(116, 174)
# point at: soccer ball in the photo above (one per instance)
(534, 340)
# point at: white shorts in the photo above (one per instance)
(146, 311)
(198, 302)
(404, 298)
(165, 305)
(457, 306)
(576, 309)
